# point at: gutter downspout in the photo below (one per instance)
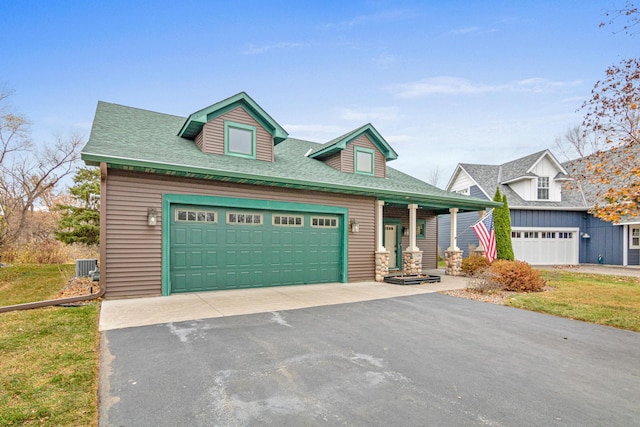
(51, 302)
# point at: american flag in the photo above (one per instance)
(487, 235)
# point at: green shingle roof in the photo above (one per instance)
(340, 143)
(135, 139)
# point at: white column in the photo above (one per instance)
(379, 226)
(412, 228)
(625, 245)
(454, 229)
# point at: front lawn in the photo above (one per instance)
(48, 368)
(605, 300)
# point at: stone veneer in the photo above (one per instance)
(412, 262)
(382, 265)
(453, 260)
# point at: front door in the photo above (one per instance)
(391, 244)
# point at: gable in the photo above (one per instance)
(342, 153)
(196, 121)
(461, 182)
(212, 137)
(345, 160)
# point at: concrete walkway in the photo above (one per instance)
(125, 313)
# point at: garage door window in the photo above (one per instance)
(324, 222)
(244, 218)
(288, 220)
(196, 215)
(565, 235)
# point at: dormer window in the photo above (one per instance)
(239, 140)
(363, 161)
(543, 188)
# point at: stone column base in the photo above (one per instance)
(412, 262)
(453, 260)
(382, 265)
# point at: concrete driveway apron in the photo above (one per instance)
(425, 359)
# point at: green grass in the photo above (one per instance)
(30, 282)
(605, 300)
(48, 367)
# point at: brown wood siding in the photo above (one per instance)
(199, 140)
(133, 249)
(335, 161)
(348, 163)
(214, 134)
(427, 245)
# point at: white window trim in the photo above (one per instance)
(245, 223)
(324, 218)
(197, 211)
(631, 237)
(274, 216)
(538, 188)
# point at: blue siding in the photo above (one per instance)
(605, 240)
(466, 235)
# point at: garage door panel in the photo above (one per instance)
(224, 255)
(547, 246)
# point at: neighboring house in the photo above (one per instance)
(225, 199)
(550, 218)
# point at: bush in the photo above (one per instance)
(516, 276)
(484, 282)
(474, 264)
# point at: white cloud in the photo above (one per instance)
(262, 49)
(313, 128)
(384, 60)
(399, 139)
(446, 85)
(368, 114)
(384, 16)
(462, 31)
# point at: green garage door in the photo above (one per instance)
(223, 248)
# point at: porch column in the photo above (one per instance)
(412, 256)
(453, 255)
(625, 245)
(381, 253)
(412, 228)
(379, 226)
(454, 230)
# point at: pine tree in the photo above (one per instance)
(508, 247)
(502, 227)
(80, 222)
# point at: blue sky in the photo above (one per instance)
(443, 81)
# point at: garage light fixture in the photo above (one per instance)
(355, 225)
(585, 235)
(152, 217)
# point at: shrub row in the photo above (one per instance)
(512, 276)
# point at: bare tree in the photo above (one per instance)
(28, 175)
(434, 175)
(629, 11)
(578, 143)
(613, 112)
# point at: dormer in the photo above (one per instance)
(237, 127)
(362, 151)
(538, 177)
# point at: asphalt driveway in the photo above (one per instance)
(426, 359)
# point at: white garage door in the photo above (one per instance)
(545, 246)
